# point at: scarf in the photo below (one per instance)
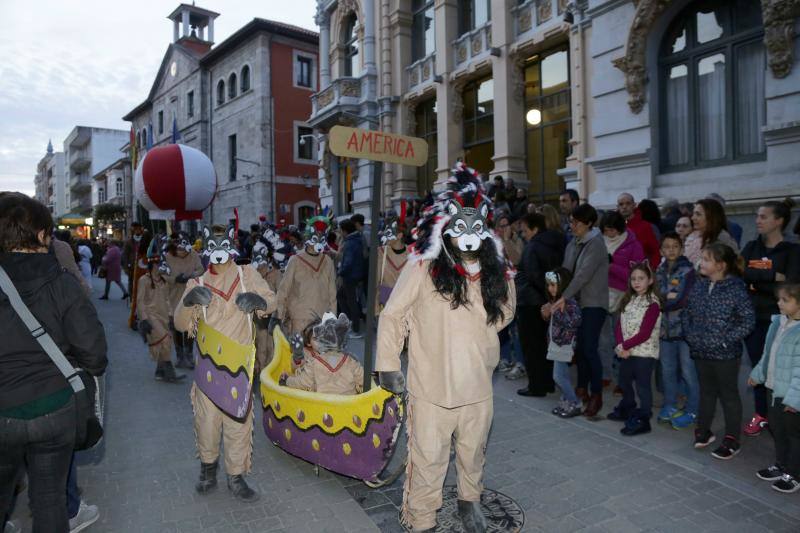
(613, 243)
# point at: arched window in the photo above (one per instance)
(711, 70)
(232, 85)
(120, 189)
(352, 62)
(220, 92)
(245, 78)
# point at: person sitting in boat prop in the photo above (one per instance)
(217, 309)
(308, 287)
(329, 369)
(451, 299)
(154, 311)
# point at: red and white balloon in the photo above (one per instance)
(175, 182)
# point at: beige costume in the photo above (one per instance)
(224, 315)
(306, 291)
(329, 373)
(152, 304)
(264, 345)
(513, 248)
(389, 267)
(451, 356)
(190, 266)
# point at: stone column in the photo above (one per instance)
(185, 22)
(509, 94)
(405, 178)
(176, 31)
(323, 20)
(211, 31)
(449, 105)
(369, 37)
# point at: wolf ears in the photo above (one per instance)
(231, 233)
(206, 233)
(453, 208)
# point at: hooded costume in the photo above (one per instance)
(330, 370)
(153, 309)
(216, 308)
(184, 264)
(308, 287)
(451, 299)
(270, 256)
(391, 260)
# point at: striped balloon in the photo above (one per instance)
(175, 182)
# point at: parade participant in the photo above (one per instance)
(130, 252)
(329, 369)
(183, 264)
(153, 308)
(139, 269)
(392, 256)
(225, 296)
(308, 287)
(270, 255)
(452, 298)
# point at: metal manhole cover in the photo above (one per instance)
(502, 513)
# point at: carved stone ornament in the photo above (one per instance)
(411, 119)
(426, 71)
(461, 53)
(325, 98)
(413, 79)
(633, 63)
(457, 103)
(322, 17)
(350, 88)
(562, 6)
(525, 20)
(778, 17)
(518, 79)
(545, 9)
(477, 45)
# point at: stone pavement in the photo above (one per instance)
(568, 475)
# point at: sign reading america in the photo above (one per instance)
(378, 146)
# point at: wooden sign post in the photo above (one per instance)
(378, 147)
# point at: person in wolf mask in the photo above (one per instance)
(308, 287)
(225, 296)
(452, 298)
(184, 264)
(392, 255)
(270, 255)
(153, 309)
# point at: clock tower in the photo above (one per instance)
(193, 27)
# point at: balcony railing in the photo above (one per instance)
(421, 72)
(473, 44)
(342, 91)
(79, 160)
(531, 15)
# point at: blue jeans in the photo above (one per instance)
(73, 497)
(590, 368)
(676, 363)
(564, 381)
(510, 349)
(636, 371)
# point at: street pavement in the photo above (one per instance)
(567, 475)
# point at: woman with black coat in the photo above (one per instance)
(37, 409)
(544, 251)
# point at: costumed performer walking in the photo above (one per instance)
(183, 264)
(392, 256)
(453, 297)
(224, 296)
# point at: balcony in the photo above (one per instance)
(80, 182)
(343, 94)
(473, 45)
(79, 160)
(531, 16)
(421, 73)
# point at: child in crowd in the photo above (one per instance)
(636, 335)
(562, 332)
(779, 371)
(719, 316)
(675, 277)
(329, 369)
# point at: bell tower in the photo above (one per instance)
(193, 24)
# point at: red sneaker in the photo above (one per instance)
(756, 426)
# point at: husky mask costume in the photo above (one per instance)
(182, 264)
(224, 297)
(308, 287)
(154, 312)
(452, 298)
(392, 255)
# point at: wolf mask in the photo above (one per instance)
(331, 333)
(219, 247)
(316, 233)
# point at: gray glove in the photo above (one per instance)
(296, 343)
(144, 328)
(250, 301)
(197, 296)
(182, 278)
(394, 381)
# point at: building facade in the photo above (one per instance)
(114, 185)
(244, 103)
(88, 150)
(661, 99)
(50, 181)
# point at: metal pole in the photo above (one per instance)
(369, 338)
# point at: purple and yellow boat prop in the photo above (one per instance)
(352, 435)
(224, 370)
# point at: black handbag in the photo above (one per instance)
(89, 428)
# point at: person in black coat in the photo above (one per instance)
(768, 261)
(544, 251)
(37, 409)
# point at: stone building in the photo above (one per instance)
(243, 103)
(114, 185)
(661, 99)
(50, 182)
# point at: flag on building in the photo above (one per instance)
(149, 134)
(176, 135)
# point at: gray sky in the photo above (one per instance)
(88, 62)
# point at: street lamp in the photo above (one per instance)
(533, 117)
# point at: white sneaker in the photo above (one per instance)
(87, 515)
(517, 372)
(12, 527)
(504, 366)
(356, 335)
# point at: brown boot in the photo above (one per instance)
(594, 405)
(582, 394)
